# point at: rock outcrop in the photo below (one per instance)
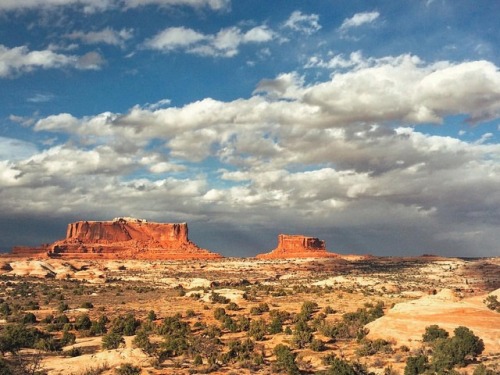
(122, 238)
(298, 246)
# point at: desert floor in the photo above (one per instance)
(415, 292)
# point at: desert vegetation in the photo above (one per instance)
(290, 317)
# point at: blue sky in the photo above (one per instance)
(372, 125)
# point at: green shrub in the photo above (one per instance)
(83, 322)
(112, 340)
(434, 332)
(317, 345)
(28, 318)
(492, 303)
(128, 369)
(219, 313)
(68, 338)
(258, 329)
(285, 360)
(457, 350)
(483, 370)
(416, 365)
(17, 336)
(232, 306)
(125, 325)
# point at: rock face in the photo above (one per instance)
(297, 246)
(122, 238)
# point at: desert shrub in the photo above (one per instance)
(28, 318)
(32, 305)
(212, 331)
(416, 365)
(48, 319)
(217, 298)
(5, 309)
(285, 360)
(87, 305)
(98, 328)
(142, 341)
(492, 303)
(275, 326)
(243, 323)
(68, 338)
(317, 345)
(258, 329)
(128, 369)
(16, 336)
(190, 313)
(338, 366)
(229, 324)
(173, 326)
(307, 308)
(483, 370)
(5, 368)
(63, 306)
(172, 346)
(329, 310)
(73, 352)
(232, 306)
(48, 344)
(112, 340)
(125, 325)
(434, 332)
(219, 313)
(457, 350)
(151, 315)
(61, 319)
(302, 334)
(83, 322)
(198, 360)
(369, 347)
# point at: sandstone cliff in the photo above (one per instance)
(297, 246)
(122, 238)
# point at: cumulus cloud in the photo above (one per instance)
(16, 149)
(91, 6)
(304, 23)
(106, 36)
(358, 20)
(19, 60)
(326, 155)
(224, 43)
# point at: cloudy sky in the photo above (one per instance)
(371, 125)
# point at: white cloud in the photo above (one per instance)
(173, 38)
(16, 149)
(91, 6)
(225, 43)
(359, 19)
(19, 60)
(106, 36)
(324, 155)
(40, 98)
(304, 23)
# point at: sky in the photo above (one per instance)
(372, 125)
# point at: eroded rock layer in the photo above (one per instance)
(298, 246)
(122, 238)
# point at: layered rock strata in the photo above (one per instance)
(298, 246)
(122, 238)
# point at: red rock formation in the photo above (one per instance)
(297, 246)
(123, 238)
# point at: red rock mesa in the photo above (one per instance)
(297, 246)
(122, 238)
